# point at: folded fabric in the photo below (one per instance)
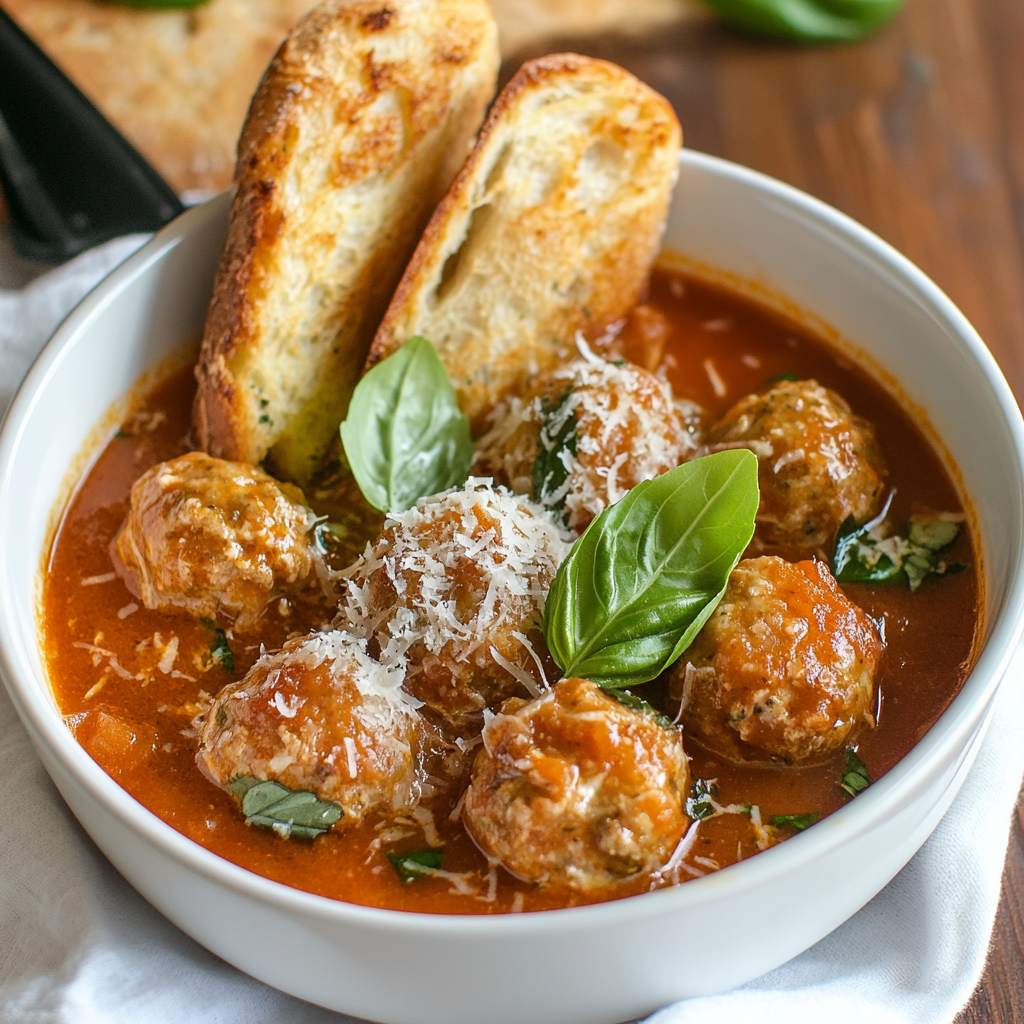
(81, 946)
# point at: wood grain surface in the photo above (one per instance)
(918, 133)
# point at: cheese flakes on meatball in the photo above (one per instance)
(216, 538)
(451, 589)
(783, 670)
(575, 788)
(320, 715)
(583, 435)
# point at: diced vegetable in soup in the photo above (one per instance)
(707, 582)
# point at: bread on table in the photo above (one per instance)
(551, 227)
(356, 131)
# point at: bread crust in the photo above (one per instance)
(551, 227)
(356, 130)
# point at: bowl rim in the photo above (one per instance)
(952, 731)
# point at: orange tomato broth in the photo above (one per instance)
(133, 718)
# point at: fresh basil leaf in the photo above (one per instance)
(786, 375)
(638, 704)
(649, 571)
(808, 21)
(293, 814)
(856, 778)
(416, 865)
(220, 651)
(405, 436)
(159, 5)
(556, 448)
(797, 821)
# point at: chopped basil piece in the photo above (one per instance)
(797, 821)
(220, 651)
(556, 449)
(856, 778)
(639, 704)
(416, 865)
(869, 553)
(786, 375)
(701, 804)
(292, 814)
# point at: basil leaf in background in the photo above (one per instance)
(159, 5)
(808, 21)
(647, 573)
(556, 448)
(416, 865)
(291, 814)
(405, 436)
(786, 375)
(220, 651)
(638, 704)
(797, 821)
(856, 778)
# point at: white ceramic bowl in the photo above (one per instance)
(591, 964)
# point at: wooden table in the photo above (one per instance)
(919, 134)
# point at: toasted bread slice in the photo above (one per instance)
(550, 227)
(359, 126)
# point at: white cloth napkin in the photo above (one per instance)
(79, 945)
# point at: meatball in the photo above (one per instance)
(575, 788)
(218, 539)
(784, 668)
(818, 464)
(583, 435)
(319, 715)
(452, 588)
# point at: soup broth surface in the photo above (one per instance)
(129, 680)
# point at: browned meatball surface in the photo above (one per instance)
(600, 428)
(215, 538)
(818, 464)
(784, 668)
(576, 789)
(319, 715)
(453, 588)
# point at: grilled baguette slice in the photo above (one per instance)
(357, 129)
(550, 227)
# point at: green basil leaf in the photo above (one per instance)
(649, 571)
(797, 821)
(933, 534)
(556, 448)
(700, 803)
(220, 650)
(787, 375)
(405, 436)
(856, 778)
(638, 704)
(159, 5)
(808, 21)
(293, 814)
(416, 865)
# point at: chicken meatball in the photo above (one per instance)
(574, 788)
(319, 715)
(583, 435)
(453, 588)
(818, 464)
(783, 670)
(217, 539)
